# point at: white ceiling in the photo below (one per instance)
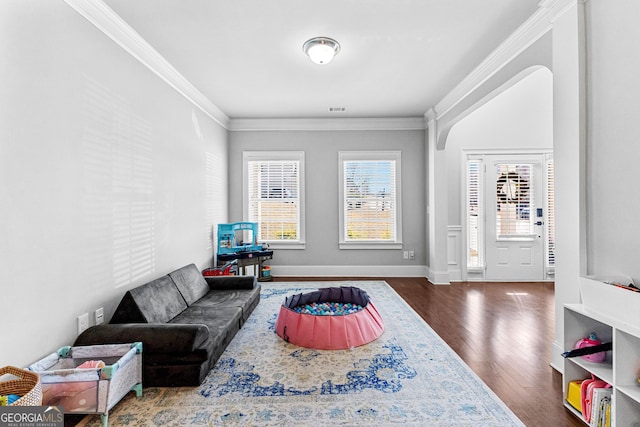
(398, 57)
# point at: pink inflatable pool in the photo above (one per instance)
(330, 332)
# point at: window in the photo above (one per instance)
(475, 218)
(551, 225)
(370, 215)
(514, 200)
(515, 210)
(274, 183)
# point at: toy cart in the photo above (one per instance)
(229, 269)
(90, 379)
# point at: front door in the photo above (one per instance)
(515, 217)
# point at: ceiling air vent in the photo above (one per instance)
(337, 109)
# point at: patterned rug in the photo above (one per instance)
(408, 376)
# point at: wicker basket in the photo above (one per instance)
(27, 385)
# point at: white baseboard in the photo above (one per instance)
(455, 276)
(557, 361)
(438, 277)
(349, 270)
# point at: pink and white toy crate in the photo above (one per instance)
(90, 379)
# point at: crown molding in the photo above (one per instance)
(430, 115)
(114, 27)
(327, 124)
(524, 36)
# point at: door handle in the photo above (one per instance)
(539, 222)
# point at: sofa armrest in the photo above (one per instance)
(231, 282)
(156, 337)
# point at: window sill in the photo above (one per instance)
(371, 245)
(280, 246)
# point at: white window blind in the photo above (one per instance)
(475, 218)
(273, 195)
(370, 206)
(551, 226)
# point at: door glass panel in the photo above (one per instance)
(513, 200)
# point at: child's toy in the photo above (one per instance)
(266, 271)
(591, 341)
(360, 326)
(229, 269)
(590, 349)
(574, 395)
(238, 237)
(9, 399)
(586, 391)
(75, 379)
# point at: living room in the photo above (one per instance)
(112, 177)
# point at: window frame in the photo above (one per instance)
(479, 264)
(265, 156)
(382, 155)
(547, 171)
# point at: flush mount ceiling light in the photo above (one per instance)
(321, 50)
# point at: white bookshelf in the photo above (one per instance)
(621, 369)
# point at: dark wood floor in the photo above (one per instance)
(503, 331)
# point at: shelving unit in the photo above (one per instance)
(621, 369)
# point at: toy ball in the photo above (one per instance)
(8, 399)
(590, 342)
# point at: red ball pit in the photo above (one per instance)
(330, 332)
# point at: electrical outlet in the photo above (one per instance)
(405, 255)
(83, 323)
(412, 255)
(99, 316)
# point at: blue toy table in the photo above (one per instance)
(246, 258)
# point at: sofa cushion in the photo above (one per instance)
(245, 299)
(217, 319)
(156, 302)
(223, 323)
(190, 283)
(158, 338)
(231, 282)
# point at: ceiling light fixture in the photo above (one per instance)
(321, 50)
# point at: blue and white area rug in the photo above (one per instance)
(408, 376)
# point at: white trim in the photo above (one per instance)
(538, 24)
(557, 361)
(505, 151)
(327, 124)
(372, 245)
(454, 241)
(287, 246)
(348, 271)
(299, 156)
(114, 27)
(385, 155)
(438, 277)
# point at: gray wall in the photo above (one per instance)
(321, 166)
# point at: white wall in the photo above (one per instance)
(109, 179)
(519, 118)
(568, 151)
(321, 157)
(597, 193)
(613, 147)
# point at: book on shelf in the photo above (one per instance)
(601, 408)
